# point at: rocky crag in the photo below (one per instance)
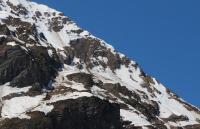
(55, 75)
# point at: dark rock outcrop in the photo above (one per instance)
(23, 67)
(82, 113)
(87, 49)
(175, 118)
(84, 78)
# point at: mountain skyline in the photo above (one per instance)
(57, 75)
(163, 37)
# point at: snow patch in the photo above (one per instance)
(6, 89)
(136, 119)
(18, 106)
(73, 95)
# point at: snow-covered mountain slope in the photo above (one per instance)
(55, 75)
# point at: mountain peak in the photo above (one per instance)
(52, 72)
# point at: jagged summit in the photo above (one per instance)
(55, 75)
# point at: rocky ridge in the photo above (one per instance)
(55, 75)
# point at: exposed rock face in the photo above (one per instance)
(55, 75)
(86, 113)
(26, 67)
(82, 113)
(85, 79)
(88, 49)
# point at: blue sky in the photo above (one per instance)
(162, 36)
